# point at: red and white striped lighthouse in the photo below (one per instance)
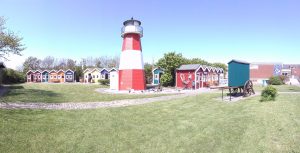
(131, 68)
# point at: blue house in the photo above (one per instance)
(69, 76)
(157, 72)
(45, 76)
(104, 73)
(238, 73)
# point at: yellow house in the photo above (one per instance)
(91, 75)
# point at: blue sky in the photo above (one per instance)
(214, 30)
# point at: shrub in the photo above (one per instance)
(268, 94)
(276, 80)
(104, 82)
(166, 79)
(11, 76)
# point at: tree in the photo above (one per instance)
(198, 61)
(31, 63)
(11, 76)
(78, 73)
(166, 79)
(48, 63)
(170, 62)
(220, 65)
(71, 64)
(10, 43)
(148, 72)
(98, 62)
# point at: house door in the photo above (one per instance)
(89, 78)
(198, 81)
(106, 75)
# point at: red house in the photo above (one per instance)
(30, 76)
(195, 76)
(34, 76)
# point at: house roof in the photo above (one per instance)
(113, 69)
(53, 71)
(266, 63)
(104, 69)
(45, 71)
(69, 70)
(61, 70)
(238, 61)
(189, 67)
(198, 66)
(38, 71)
(29, 71)
(96, 69)
(158, 68)
(88, 70)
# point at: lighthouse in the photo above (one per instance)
(131, 68)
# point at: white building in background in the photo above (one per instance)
(114, 79)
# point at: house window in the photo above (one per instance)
(97, 76)
(28, 76)
(70, 76)
(156, 76)
(93, 76)
(86, 76)
(102, 76)
(62, 76)
(51, 76)
(58, 77)
(44, 76)
(54, 76)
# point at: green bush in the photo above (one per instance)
(11, 76)
(276, 80)
(268, 94)
(104, 82)
(166, 79)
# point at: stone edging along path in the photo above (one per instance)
(93, 105)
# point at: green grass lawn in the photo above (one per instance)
(193, 124)
(280, 88)
(56, 93)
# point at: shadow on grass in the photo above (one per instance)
(20, 94)
(16, 87)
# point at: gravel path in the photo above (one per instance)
(93, 105)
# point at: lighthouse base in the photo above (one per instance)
(132, 79)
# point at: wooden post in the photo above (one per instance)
(222, 93)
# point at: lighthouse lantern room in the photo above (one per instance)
(131, 68)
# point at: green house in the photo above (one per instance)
(238, 73)
(157, 73)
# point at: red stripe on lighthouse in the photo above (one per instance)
(132, 79)
(132, 41)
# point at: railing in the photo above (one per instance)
(132, 29)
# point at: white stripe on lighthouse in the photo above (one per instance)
(131, 59)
